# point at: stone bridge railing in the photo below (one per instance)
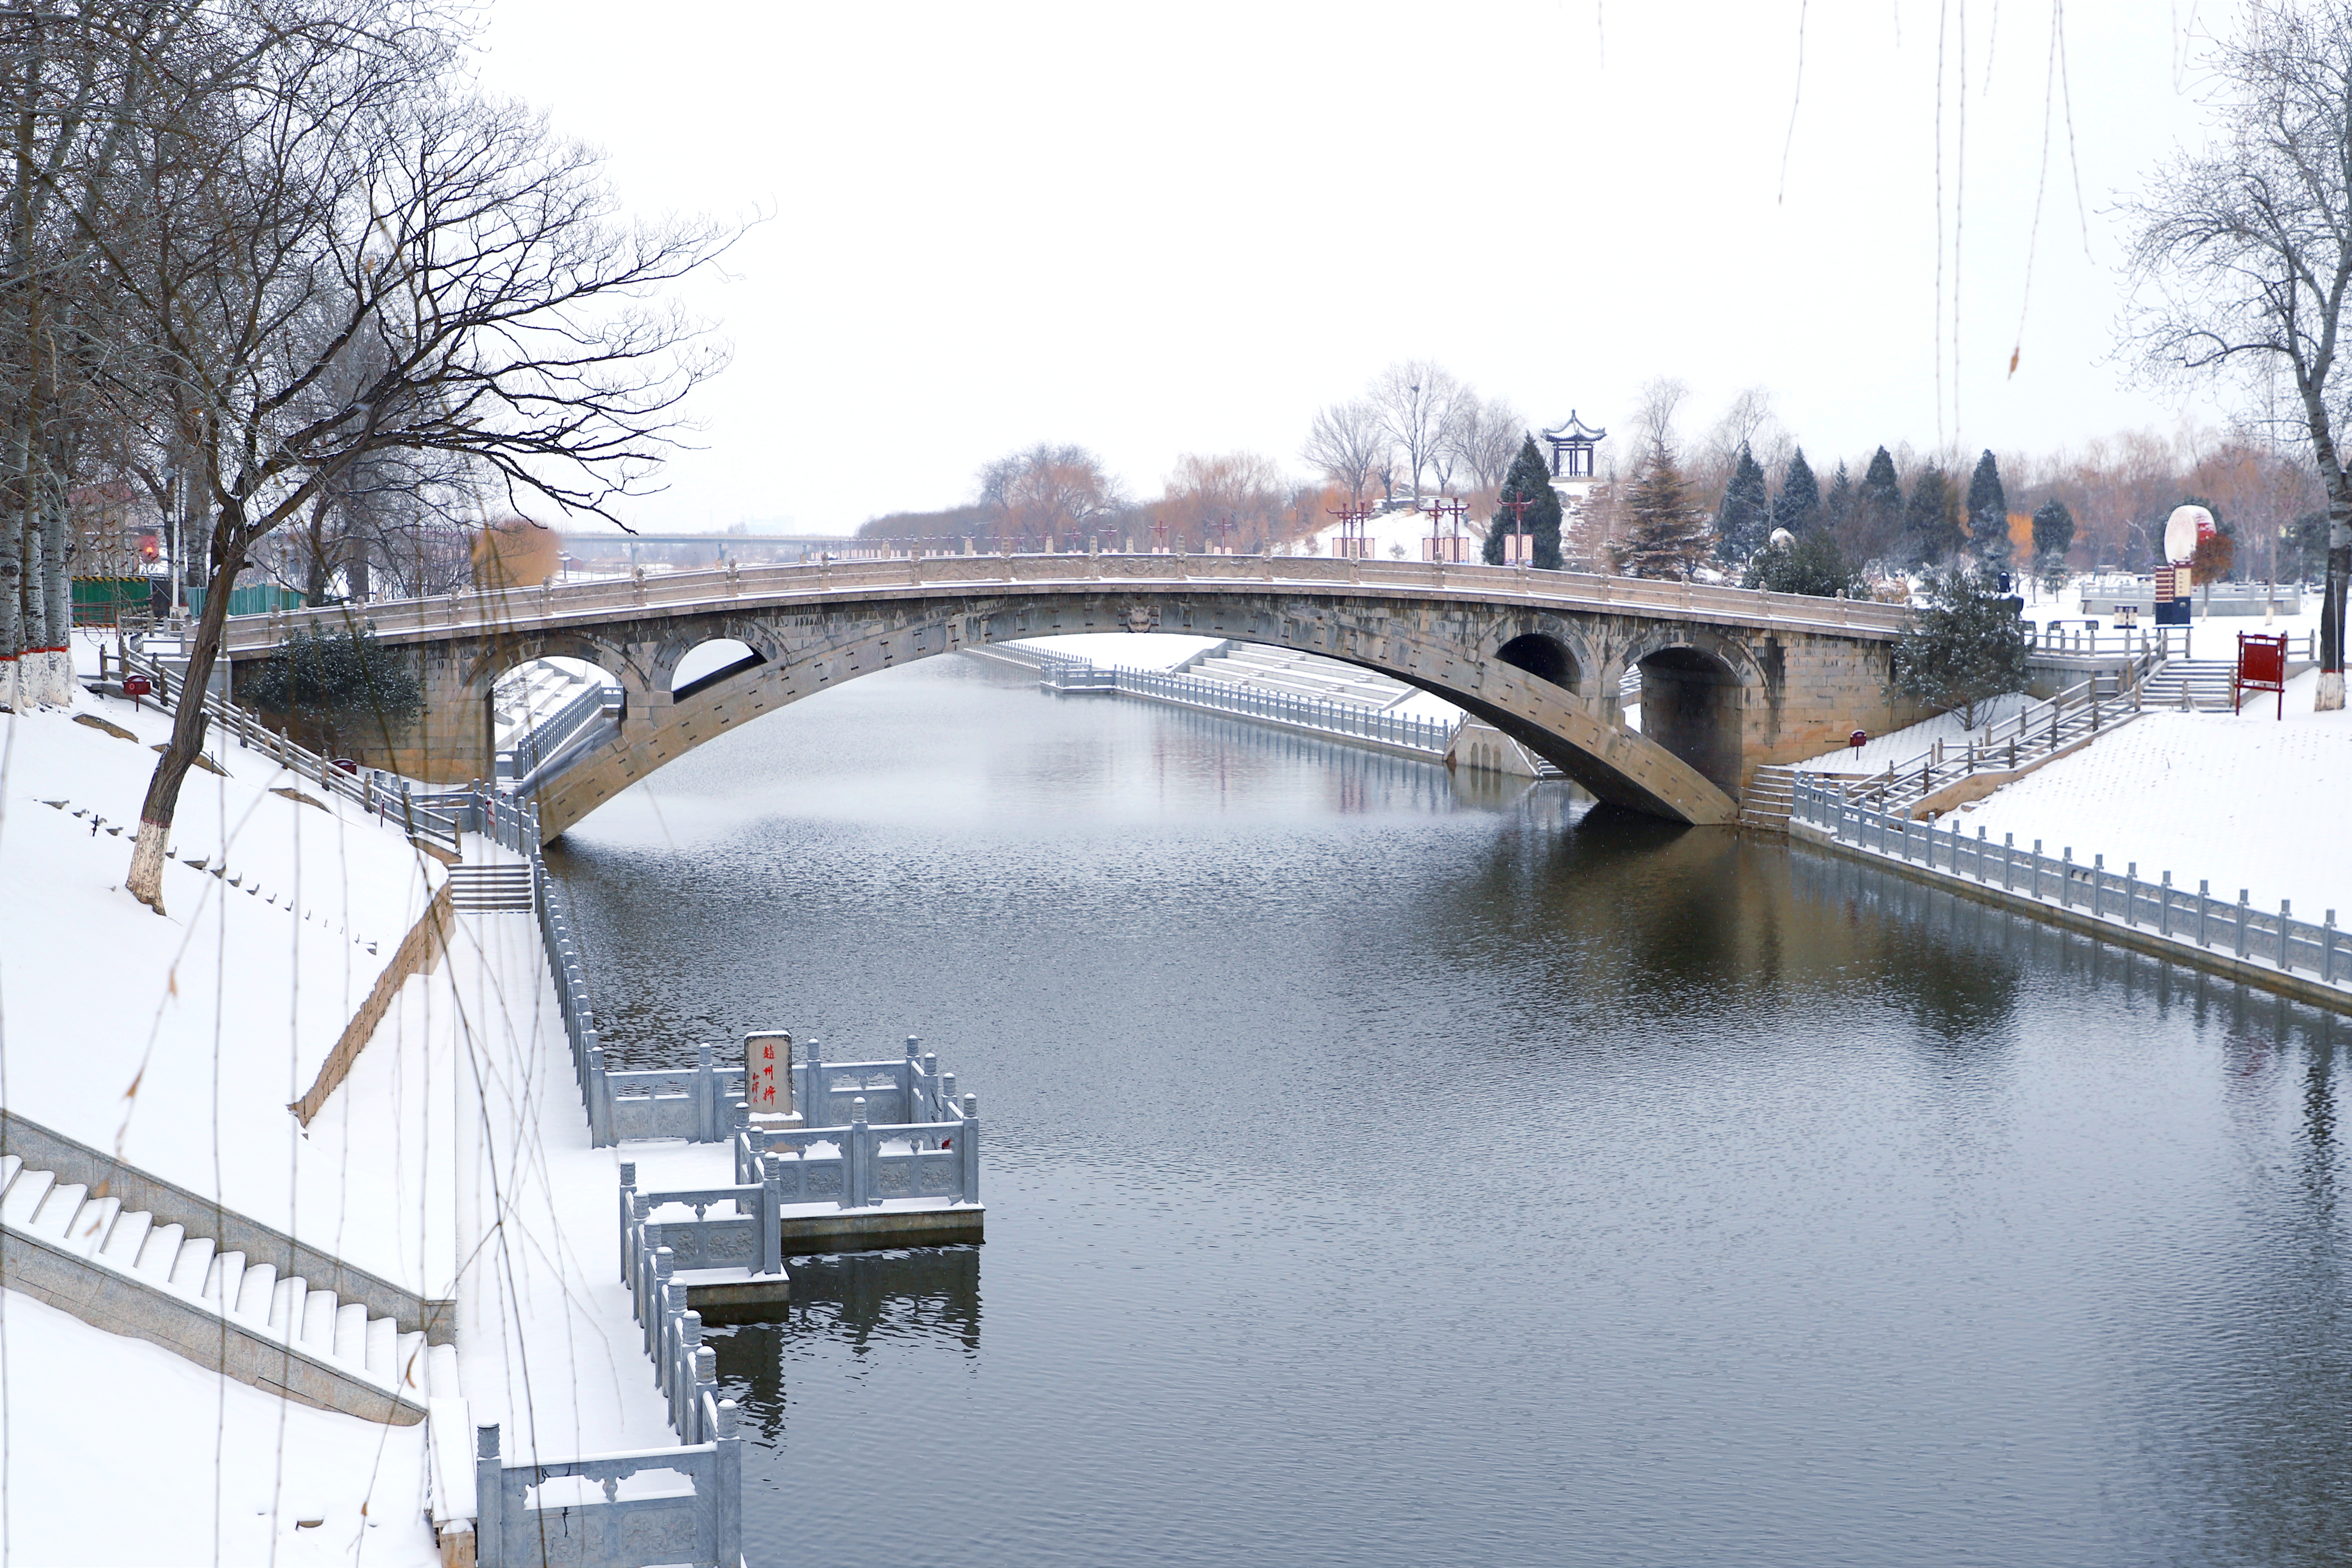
(749, 587)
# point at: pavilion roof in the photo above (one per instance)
(1573, 429)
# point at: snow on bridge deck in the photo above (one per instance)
(758, 587)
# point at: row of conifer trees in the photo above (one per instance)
(1875, 522)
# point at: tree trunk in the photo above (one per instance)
(320, 569)
(57, 581)
(12, 609)
(145, 882)
(355, 561)
(2330, 698)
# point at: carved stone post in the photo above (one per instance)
(968, 1147)
(769, 1171)
(856, 1157)
(628, 1212)
(706, 1095)
(489, 1498)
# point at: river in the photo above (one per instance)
(1384, 1169)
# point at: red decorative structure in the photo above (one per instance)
(1518, 546)
(1353, 544)
(1442, 546)
(2262, 666)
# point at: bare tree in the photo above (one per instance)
(1243, 494)
(1484, 439)
(1048, 490)
(87, 84)
(1747, 425)
(1416, 399)
(353, 198)
(2244, 250)
(1346, 445)
(1655, 407)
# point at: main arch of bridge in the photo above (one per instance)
(1718, 699)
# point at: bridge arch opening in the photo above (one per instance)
(1545, 657)
(709, 662)
(1691, 705)
(544, 712)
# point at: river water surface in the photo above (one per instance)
(1388, 1170)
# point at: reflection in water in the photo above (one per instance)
(1388, 1167)
(916, 1301)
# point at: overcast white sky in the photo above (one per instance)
(1161, 229)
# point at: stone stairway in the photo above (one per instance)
(496, 887)
(1301, 675)
(1770, 794)
(116, 1267)
(2206, 682)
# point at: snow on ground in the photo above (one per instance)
(1402, 534)
(180, 1040)
(1125, 650)
(1166, 650)
(1900, 746)
(546, 1344)
(2242, 800)
(111, 1459)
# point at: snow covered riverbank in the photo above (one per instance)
(2243, 800)
(2240, 800)
(452, 1161)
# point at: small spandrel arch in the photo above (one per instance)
(707, 663)
(1544, 657)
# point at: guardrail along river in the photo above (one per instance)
(1385, 1169)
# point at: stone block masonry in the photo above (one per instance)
(1731, 680)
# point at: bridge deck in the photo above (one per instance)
(771, 587)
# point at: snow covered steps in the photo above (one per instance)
(2203, 682)
(1296, 674)
(1769, 797)
(491, 889)
(85, 1250)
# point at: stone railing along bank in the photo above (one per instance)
(2274, 950)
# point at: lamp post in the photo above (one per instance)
(1518, 521)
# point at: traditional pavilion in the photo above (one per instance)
(1571, 447)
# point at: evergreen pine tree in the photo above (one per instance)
(2053, 529)
(1797, 507)
(1989, 515)
(1746, 517)
(1877, 508)
(1931, 521)
(1813, 564)
(1667, 536)
(1837, 507)
(1528, 480)
(330, 685)
(1965, 648)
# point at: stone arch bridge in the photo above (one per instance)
(1730, 680)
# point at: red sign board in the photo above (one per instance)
(2262, 666)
